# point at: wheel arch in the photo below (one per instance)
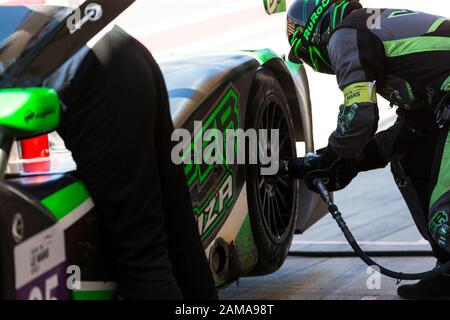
(294, 81)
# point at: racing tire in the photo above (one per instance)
(273, 201)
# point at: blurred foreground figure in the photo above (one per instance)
(117, 123)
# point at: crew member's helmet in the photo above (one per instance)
(309, 27)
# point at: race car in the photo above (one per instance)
(51, 243)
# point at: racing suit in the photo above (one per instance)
(406, 59)
(116, 121)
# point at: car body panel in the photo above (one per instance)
(192, 80)
(62, 233)
(212, 88)
(201, 74)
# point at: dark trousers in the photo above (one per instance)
(416, 161)
(118, 126)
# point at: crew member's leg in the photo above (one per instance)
(439, 285)
(412, 157)
(412, 173)
(439, 223)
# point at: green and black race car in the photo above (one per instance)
(49, 233)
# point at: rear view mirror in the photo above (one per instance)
(274, 6)
(28, 112)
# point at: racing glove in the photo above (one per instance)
(336, 178)
(344, 171)
(336, 172)
(300, 167)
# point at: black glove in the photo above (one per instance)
(336, 178)
(300, 167)
(325, 164)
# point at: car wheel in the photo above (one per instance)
(273, 201)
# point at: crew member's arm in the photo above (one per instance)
(358, 59)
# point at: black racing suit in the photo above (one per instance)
(406, 59)
(117, 123)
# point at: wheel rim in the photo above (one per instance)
(276, 195)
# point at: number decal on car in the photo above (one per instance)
(40, 266)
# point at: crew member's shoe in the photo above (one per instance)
(437, 287)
